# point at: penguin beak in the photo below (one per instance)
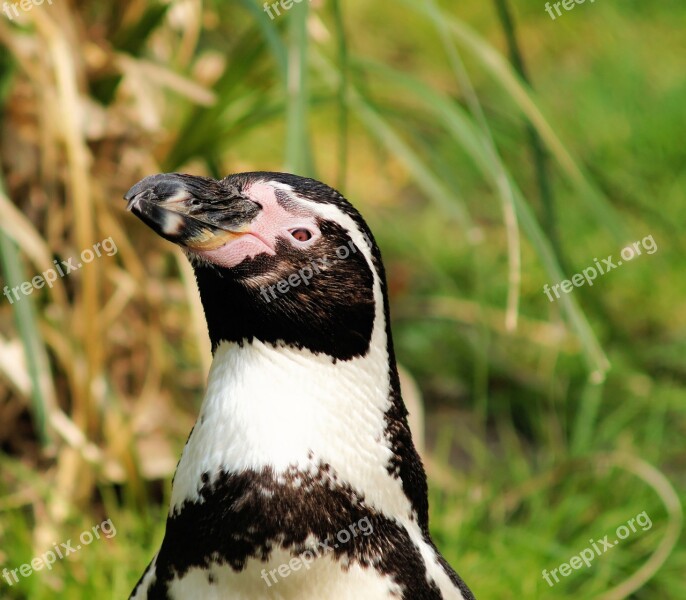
(198, 213)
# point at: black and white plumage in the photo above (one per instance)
(302, 432)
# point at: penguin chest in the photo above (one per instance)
(286, 577)
(283, 577)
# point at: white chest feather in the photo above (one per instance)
(283, 407)
(322, 579)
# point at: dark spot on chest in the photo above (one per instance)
(244, 516)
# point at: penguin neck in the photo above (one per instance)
(241, 308)
(284, 402)
(278, 408)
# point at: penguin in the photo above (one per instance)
(300, 479)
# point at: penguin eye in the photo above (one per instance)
(301, 234)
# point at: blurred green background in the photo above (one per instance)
(492, 149)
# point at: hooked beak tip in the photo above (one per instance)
(132, 202)
(176, 208)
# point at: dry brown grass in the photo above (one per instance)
(116, 335)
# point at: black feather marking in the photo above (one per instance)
(332, 314)
(244, 516)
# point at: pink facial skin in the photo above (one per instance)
(272, 222)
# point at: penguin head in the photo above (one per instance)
(278, 258)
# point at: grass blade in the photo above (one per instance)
(298, 156)
(42, 391)
(595, 201)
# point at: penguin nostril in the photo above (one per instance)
(302, 235)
